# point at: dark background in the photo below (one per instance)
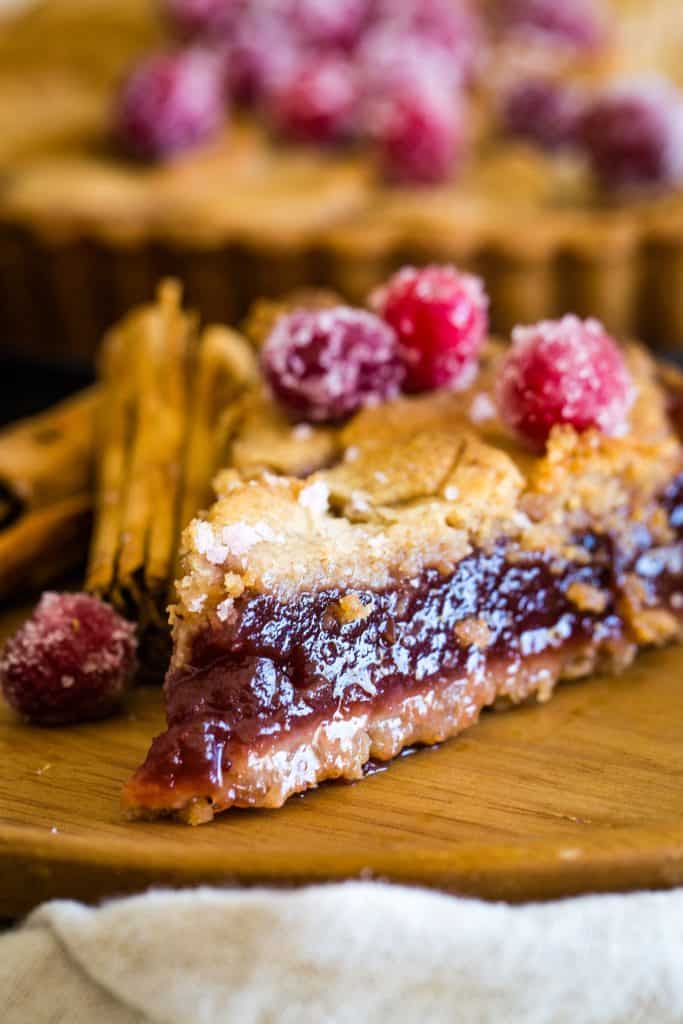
(25, 389)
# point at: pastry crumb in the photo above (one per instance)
(198, 812)
(647, 625)
(473, 632)
(351, 608)
(586, 597)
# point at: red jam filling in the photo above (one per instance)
(280, 665)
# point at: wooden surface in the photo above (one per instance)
(582, 794)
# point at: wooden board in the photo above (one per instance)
(582, 794)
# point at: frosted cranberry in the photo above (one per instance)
(170, 103)
(324, 365)
(448, 24)
(260, 55)
(204, 18)
(318, 102)
(390, 60)
(633, 135)
(440, 317)
(563, 371)
(329, 23)
(579, 24)
(70, 662)
(543, 111)
(419, 133)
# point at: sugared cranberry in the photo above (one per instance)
(390, 60)
(70, 662)
(543, 111)
(633, 135)
(324, 365)
(448, 24)
(329, 23)
(579, 24)
(204, 18)
(170, 103)
(318, 102)
(419, 132)
(440, 317)
(566, 371)
(259, 55)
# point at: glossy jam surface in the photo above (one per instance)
(278, 667)
(279, 663)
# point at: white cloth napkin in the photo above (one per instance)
(361, 953)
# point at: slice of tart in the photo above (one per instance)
(362, 587)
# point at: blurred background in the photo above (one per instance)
(350, 136)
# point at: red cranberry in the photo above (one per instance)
(440, 317)
(543, 111)
(171, 102)
(579, 24)
(450, 25)
(324, 365)
(419, 132)
(329, 23)
(563, 371)
(203, 18)
(72, 661)
(390, 60)
(260, 54)
(633, 135)
(318, 102)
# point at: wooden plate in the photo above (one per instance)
(582, 794)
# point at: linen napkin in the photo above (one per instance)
(357, 952)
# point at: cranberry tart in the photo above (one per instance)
(388, 556)
(256, 147)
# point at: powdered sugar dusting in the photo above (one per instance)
(315, 497)
(207, 543)
(482, 408)
(238, 538)
(224, 608)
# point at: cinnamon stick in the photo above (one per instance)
(225, 367)
(44, 544)
(47, 458)
(164, 391)
(46, 493)
(140, 442)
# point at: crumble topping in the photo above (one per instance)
(315, 497)
(351, 608)
(415, 484)
(647, 625)
(586, 597)
(233, 539)
(482, 408)
(473, 632)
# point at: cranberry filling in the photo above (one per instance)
(278, 666)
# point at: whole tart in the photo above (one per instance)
(85, 234)
(360, 588)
